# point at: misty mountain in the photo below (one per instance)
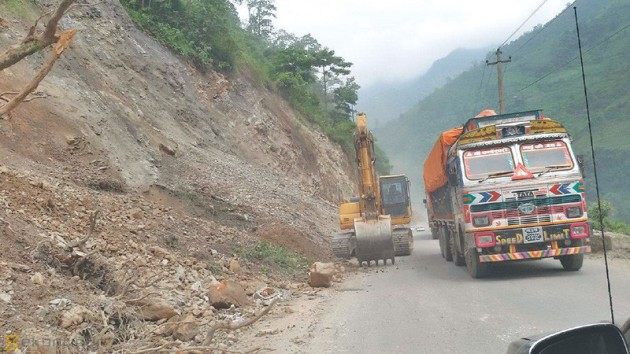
(385, 101)
(544, 74)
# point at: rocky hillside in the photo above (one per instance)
(136, 183)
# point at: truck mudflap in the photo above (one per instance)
(551, 252)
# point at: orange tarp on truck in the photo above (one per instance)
(435, 165)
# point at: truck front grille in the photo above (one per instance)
(530, 219)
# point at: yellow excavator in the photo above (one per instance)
(375, 223)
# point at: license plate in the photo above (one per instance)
(532, 234)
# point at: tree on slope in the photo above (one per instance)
(261, 13)
(345, 98)
(331, 67)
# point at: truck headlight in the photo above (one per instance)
(580, 230)
(573, 212)
(484, 239)
(483, 220)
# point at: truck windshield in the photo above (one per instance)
(483, 163)
(539, 156)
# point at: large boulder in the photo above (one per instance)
(321, 274)
(226, 294)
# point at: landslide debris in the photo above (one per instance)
(137, 186)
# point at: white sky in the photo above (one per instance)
(399, 39)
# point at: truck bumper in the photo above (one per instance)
(551, 252)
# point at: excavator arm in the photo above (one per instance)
(371, 236)
(369, 191)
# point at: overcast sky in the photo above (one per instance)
(399, 39)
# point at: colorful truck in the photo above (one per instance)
(504, 188)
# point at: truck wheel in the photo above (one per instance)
(445, 248)
(476, 268)
(457, 257)
(573, 262)
(435, 234)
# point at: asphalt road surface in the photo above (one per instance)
(425, 305)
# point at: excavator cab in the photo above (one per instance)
(375, 222)
(395, 200)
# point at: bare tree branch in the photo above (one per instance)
(51, 26)
(236, 325)
(151, 350)
(34, 43)
(64, 42)
(80, 5)
(35, 96)
(82, 241)
(30, 36)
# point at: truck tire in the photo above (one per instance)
(476, 268)
(435, 234)
(457, 257)
(445, 248)
(572, 263)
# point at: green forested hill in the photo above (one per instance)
(544, 74)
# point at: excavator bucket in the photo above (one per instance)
(374, 240)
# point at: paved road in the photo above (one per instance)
(426, 305)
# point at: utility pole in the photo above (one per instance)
(499, 63)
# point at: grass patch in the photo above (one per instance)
(215, 268)
(172, 241)
(107, 185)
(617, 226)
(274, 258)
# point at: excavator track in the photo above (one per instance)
(343, 245)
(403, 241)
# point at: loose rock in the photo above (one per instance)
(187, 329)
(226, 294)
(153, 310)
(74, 316)
(321, 274)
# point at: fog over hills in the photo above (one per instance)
(544, 74)
(386, 101)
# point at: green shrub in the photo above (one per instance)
(270, 256)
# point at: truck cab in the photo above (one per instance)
(518, 192)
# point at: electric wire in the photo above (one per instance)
(541, 30)
(481, 82)
(590, 133)
(490, 72)
(547, 25)
(574, 58)
(524, 22)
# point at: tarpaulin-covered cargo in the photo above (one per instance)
(435, 165)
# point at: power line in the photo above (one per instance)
(524, 22)
(541, 30)
(482, 76)
(547, 25)
(574, 58)
(547, 74)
